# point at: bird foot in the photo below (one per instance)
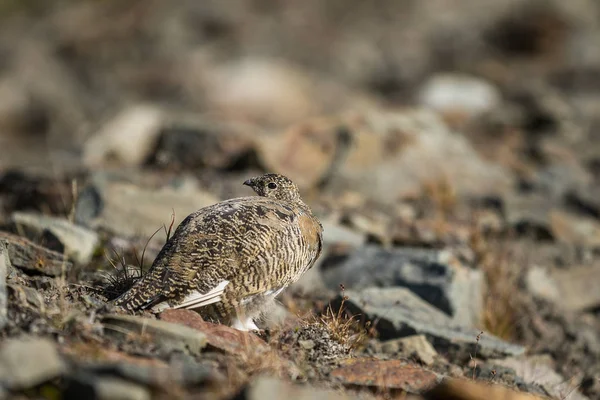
(245, 325)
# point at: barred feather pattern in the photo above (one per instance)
(260, 244)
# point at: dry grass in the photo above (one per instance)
(500, 302)
(345, 328)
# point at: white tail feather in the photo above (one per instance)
(196, 299)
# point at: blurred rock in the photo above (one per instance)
(574, 230)
(538, 370)
(130, 210)
(335, 234)
(76, 242)
(414, 347)
(397, 312)
(30, 257)
(200, 144)
(4, 268)
(168, 336)
(529, 215)
(306, 152)
(128, 139)
(269, 91)
(462, 95)
(586, 200)
(266, 387)
(385, 374)
(573, 289)
(27, 362)
(464, 389)
(113, 388)
(436, 276)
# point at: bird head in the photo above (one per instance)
(274, 186)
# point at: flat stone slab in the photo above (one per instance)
(165, 334)
(397, 312)
(385, 374)
(79, 243)
(436, 276)
(28, 256)
(28, 362)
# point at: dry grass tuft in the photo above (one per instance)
(500, 304)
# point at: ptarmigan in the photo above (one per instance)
(228, 261)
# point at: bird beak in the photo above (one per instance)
(249, 182)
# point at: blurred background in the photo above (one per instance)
(516, 78)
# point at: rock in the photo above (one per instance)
(537, 215)
(77, 242)
(435, 276)
(453, 94)
(573, 289)
(412, 347)
(306, 152)
(397, 312)
(128, 139)
(541, 283)
(266, 387)
(166, 335)
(269, 92)
(538, 370)
(385, 374)
(335, 234)
(4, 268)
(113, 389)
(471, 390)
(586, 200)
(204, 144)
(217, 336)
(131, 211)
(575, 230)
(529, 215)
(26, 362)
(28, 256)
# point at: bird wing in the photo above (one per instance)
(195, 299)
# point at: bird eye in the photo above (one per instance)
(272, 185)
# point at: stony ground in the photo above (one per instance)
(451, 150)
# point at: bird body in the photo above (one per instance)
(228, 261)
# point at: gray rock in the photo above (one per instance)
(530, 215)
(119, 389)
(79, 243)
(334, 234)
(397, 312)
(29, 256)
(266, 387)
(585, 200)
(132, 210)
(538, 370)
(435, 276)
(416, 346)
(574, 289)
(4, 268)
(27, 362)
(167, 335)
(128, 139)
(199, 143)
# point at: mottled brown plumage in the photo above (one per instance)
(229, 260)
